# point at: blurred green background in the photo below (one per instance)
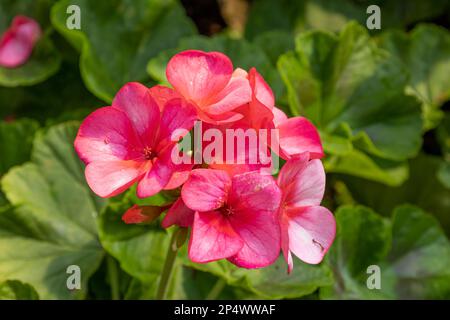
(380, 99)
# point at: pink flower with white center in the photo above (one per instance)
(131, 142)
(17, 42)
(307, 229)
(207, 80)
(235, 217)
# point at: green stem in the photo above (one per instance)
(216, 289)
(113, 275)
(168, 266)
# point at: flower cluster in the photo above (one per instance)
(235, 210)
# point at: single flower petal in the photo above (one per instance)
(235, 94)
(178, 214)
(311, 232)
(261, 89)
(261, 236)
(298, 135)
(17, 43)
(107, 134)
(284, 227)
(212, 238)
(162, 95)
(254, 191)
(199, 75)
(110, 178)
(302, 182)
(135, 100)
(278, 116)
(177, 115)
(224, 118)
(255, 200)
(158, 176)
(206, 189)
(178, 178)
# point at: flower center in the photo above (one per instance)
(226, 210)
(149, 154)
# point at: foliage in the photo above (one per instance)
(378, 97)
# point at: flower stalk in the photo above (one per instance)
(178, 238)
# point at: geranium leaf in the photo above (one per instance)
(52, 223)
(426, 54)
(431, 196)
(411, 251)
(353, 90)
(16, 290)
(272, 282)
(118, 37)
(12, 135)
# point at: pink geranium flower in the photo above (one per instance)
(295, 135)
(235, 217)
(307, 229)
(131, 142)
(207, 80)
(17, 42)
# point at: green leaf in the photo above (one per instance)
(353, 90)
(357, 163)
(271, 282)
(14, 134)
(52, 224)
(243, 54)
(411, 251)
(426, 54)
(296, 16)
(422, 189)
(72, 101)
(443, 135)
(187, 283)
(117, 38)
(16, 290)
(140, 249)
(45, 60)
(141, 252)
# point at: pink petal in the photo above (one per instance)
(199, 75)
(212, 238)
(224, 118)
(158, 176)
(17, 43)
(235, 94)
(178, 214)
(255, 200)
(177, 179)
(107, 134)
(261, 89)
(206, 189)
(254, 191)
(284, 226)
(110, 178)
(278, 116)
(162, 95)
(177, 114)
(311, 232)
(298, 135)
(261, 236)
(302, 182)
(180, 171)
(135, 100)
